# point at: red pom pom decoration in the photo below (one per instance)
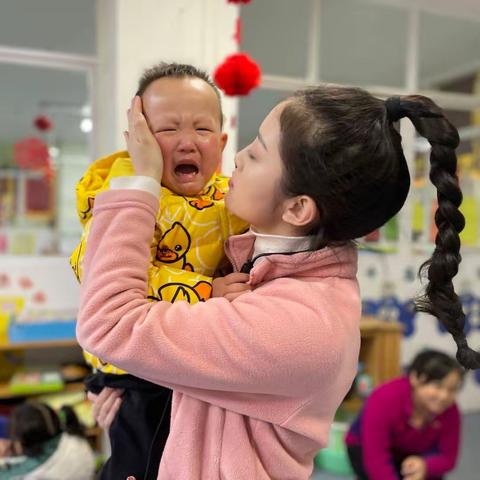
(31, 153)
(43, 123)
(237, 75)
(239, 1)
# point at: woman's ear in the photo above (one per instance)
(300, 211)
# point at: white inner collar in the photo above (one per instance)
(265, 243)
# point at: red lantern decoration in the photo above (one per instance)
(31, 153)
(237, 75)
(239, 1)
(42, 123)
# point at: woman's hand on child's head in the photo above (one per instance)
(231, 286)
(106, 405)
(414, 468)
(142, 146)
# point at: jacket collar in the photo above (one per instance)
(327, 262)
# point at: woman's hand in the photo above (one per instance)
(106, 405)
(231, 286)
(142, 146)
(414, 468)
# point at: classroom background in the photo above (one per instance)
(68, 70)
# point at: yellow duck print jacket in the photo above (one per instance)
(188, 241)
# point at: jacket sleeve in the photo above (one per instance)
(377, 419)
(445, 459)
(214, 346)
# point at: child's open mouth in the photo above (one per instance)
(186, 172)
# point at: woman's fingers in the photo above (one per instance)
(106, 405)
(142, 145)
(112, 413)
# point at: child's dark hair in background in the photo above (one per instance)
(433, 366)
(340, 147)
(33, 424)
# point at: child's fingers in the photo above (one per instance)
(232, 296)
(239, 287)
(236, 277)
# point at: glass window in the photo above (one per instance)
(275, 33)
(362, 43)
(57, 25)
(45, 128)
(448, 50)
(252, 110)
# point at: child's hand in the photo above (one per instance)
(231, 286)
(414, 468)
(142, 146)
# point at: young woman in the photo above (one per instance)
(257, 379)
(409, 427)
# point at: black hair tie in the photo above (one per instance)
(394, 108)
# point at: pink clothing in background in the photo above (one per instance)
(384, 432)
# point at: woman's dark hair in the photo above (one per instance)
(431, 365)
(339, 145)
(33, 423)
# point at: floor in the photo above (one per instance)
(468, 467)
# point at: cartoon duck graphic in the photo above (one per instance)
(201, 203)
(173, 292)
(173, 247)
(84, 213)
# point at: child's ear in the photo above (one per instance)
(415, 379)
(300, 211)
(223, 140)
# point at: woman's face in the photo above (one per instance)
(254, 193)
(435, 396)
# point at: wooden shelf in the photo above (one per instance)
(69, 388)
(379, 353)
(372, 324)
(4, 347)
(353, 404)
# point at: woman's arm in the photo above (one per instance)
(255, 344)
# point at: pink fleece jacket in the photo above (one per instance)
(256, 381)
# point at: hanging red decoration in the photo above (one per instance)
(238, 74)
(42, 123)
(239, 1)
(237, 34)
(31, 153)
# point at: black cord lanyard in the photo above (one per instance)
(248, 265)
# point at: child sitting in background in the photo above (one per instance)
(44, 445)
(183, 109)
(410, 427)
